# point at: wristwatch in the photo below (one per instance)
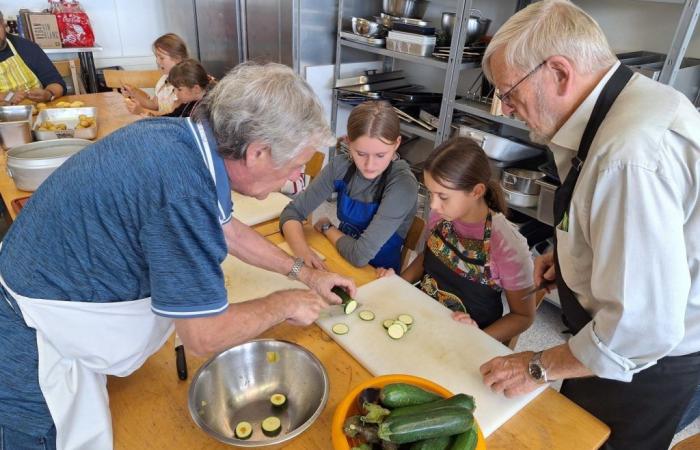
(296, 269)
(536, 369)
(325, 227)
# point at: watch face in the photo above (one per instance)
(535, 371)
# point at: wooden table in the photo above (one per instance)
(111, 115)
(149, 408)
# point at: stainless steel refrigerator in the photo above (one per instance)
(223, 33)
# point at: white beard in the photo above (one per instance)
(547, 119)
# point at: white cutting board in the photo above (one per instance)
(436, 347)
(252, 211)
(245, 282)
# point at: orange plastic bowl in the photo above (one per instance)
(348, 406)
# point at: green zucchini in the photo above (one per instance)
(462, 400)
(349, 305)
(243, 430)
(417, 427)
(438, 443)
(466, 440)
(279, 401)
(397, 395)
(271, 426)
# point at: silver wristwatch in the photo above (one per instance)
(296, 269)
(325, 227)
(536, 369)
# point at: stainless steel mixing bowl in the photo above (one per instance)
(236, 385)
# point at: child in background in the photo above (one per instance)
(472, 253)
(169, 50)
(191, 83)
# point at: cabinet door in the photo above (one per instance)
(269, 31)
(217, 30)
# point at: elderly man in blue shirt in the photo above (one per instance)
(123, 244)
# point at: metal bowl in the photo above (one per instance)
(236, 385)
(405, 8)
(477, 26)
(365, 27)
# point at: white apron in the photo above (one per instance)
(79, 343)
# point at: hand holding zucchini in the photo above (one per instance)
(349, 304)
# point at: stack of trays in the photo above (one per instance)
(413, 44)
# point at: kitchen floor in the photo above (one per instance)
(544, 333)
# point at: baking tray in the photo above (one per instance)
(416, 29)
(370, 76)
(381, 85)
(15, 125)
(373, 42)
(69, 116)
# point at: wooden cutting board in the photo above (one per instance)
(252, 211)
(436, 347)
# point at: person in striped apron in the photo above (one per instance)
(25, 71)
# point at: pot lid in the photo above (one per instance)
(54, 148)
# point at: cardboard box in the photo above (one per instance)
(44, 30)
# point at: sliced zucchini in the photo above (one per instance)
(243, 430)
(396, 331)
(387, 323)
(340, 328)
(278, 400)
(406, 318)
(350, 306)
(366, 315)
(271, 426)
(402, 325)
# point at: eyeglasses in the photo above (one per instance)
(505, 98)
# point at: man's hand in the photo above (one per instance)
(322, 282)
(509, 374)
(545, 270)
(303, 306)
(39, 95)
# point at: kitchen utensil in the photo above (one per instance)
(522, 180)
(381, 85)
(413, 44)
(180, 358)
(408, 118)
(370, 76)
(365, 27)
(371, 41)
(436, 347)
(514, 198)
(497, 147)
(68, 116)
(477, 26)
(348, 406)
(30, 164)
(412, 97)
(15, 125)
(405, 8)
(543, 285)
(236, 384)
(545, 204)
(409, 28)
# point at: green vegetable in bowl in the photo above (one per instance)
(396, 395)
(417, 427)
(374, 413)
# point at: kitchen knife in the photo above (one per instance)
(180, 359)
(545, 284)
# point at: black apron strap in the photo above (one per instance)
(575, 316)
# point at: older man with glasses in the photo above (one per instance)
(627, 237)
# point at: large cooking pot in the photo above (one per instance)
(30, 164)
(522, 180)
(477, 26)
(405, 8)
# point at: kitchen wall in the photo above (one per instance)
(125, 29)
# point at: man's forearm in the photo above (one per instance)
(562, 364)
(247, 245)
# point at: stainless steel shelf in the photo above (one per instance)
(482, 110)
(418, 131)
(426, 60)
(532, 212)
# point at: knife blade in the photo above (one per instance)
(545, 284)
(180, 359)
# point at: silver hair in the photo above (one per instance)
(548, 28)
(266, 103)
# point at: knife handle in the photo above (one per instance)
(181, 362)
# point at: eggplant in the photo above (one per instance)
(369, 395)
(354, 427)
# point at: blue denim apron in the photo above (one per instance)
(355, 216)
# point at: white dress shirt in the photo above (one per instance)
(632, 250)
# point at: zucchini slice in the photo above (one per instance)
(340, 328)
(271, 426)
(387, 323)
(243, 430)
(366, 315)
(350, 306)
(396, 331)
(278, 400)
(406, 318)
(402, 325)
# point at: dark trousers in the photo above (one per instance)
(644, 413)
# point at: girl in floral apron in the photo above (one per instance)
(472, 253)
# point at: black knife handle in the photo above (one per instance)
(181, 362)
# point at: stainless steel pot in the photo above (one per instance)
(522, 180)
(30, 164)
(405, 8)
(514, 198)
(477, 26)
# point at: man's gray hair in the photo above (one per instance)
(266, 103)
(548, 28)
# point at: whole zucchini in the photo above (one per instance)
(416, 427)
(462, 400)
(397, 395)
(438, 443)
(465, 441)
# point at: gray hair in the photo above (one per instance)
(266, 103)
(548, 28)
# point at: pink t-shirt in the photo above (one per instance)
(511, 262)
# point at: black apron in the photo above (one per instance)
(642, 414)
(481, 298)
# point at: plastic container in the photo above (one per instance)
(30, 164)
(68, 116)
